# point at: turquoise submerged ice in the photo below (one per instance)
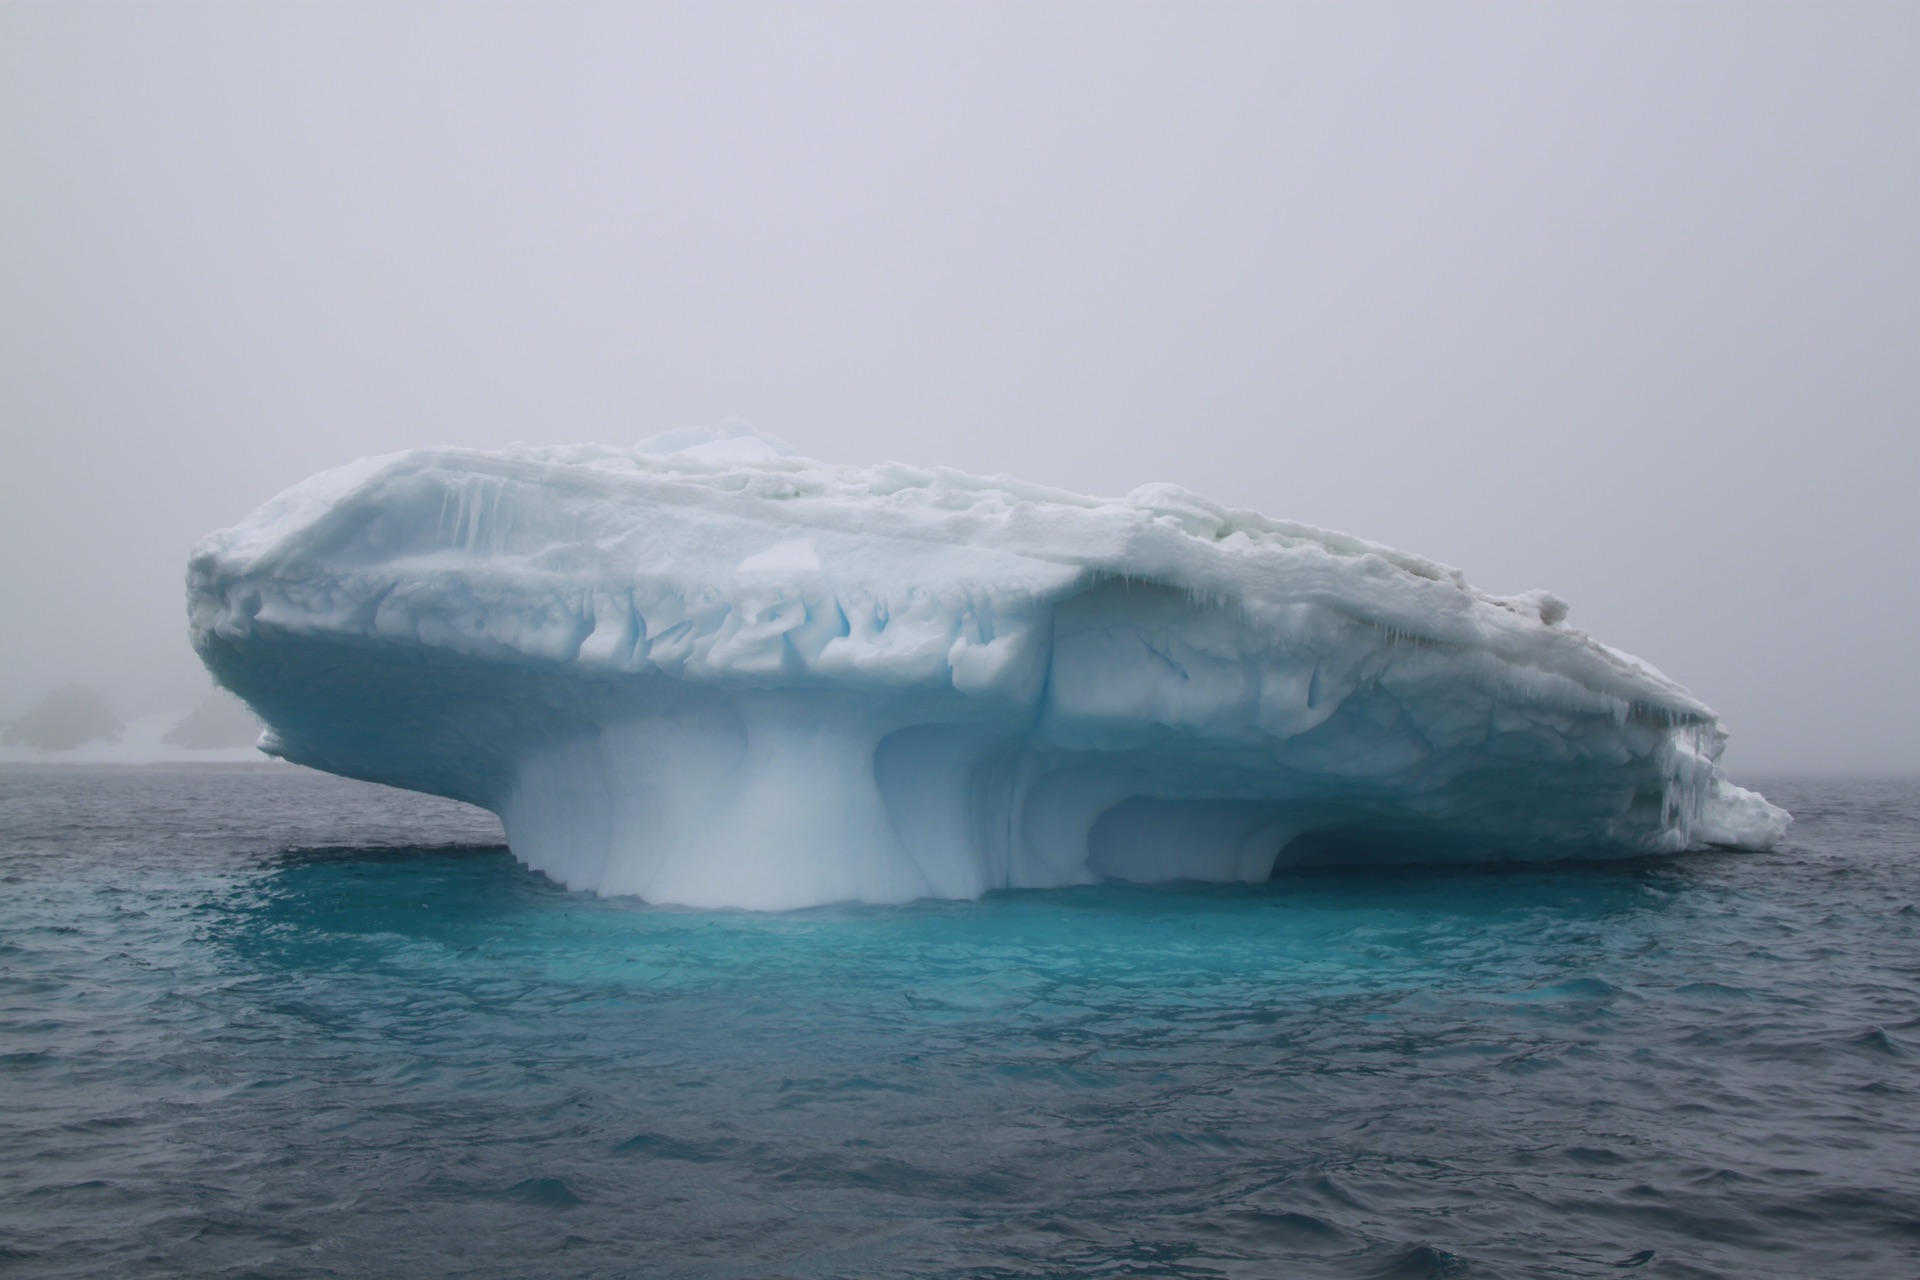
(705, 671)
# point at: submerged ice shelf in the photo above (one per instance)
(705, 671)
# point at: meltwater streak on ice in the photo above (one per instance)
(705, 671)
(226, 1051)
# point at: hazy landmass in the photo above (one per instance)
(69, 716)
(221, 720)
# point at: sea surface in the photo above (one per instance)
(266, 1023)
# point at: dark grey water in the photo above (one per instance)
(275, 1024)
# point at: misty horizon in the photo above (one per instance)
(1620, 303)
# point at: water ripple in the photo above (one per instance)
(274, 1024)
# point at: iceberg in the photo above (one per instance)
(706, 671)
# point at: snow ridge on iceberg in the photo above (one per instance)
(705, 671)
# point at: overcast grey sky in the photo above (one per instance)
(1619, 300)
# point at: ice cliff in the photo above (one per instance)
(705, 671)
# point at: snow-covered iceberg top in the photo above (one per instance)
(707, 671)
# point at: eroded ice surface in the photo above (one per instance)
(706, 671)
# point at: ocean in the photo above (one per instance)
(261, 1022)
